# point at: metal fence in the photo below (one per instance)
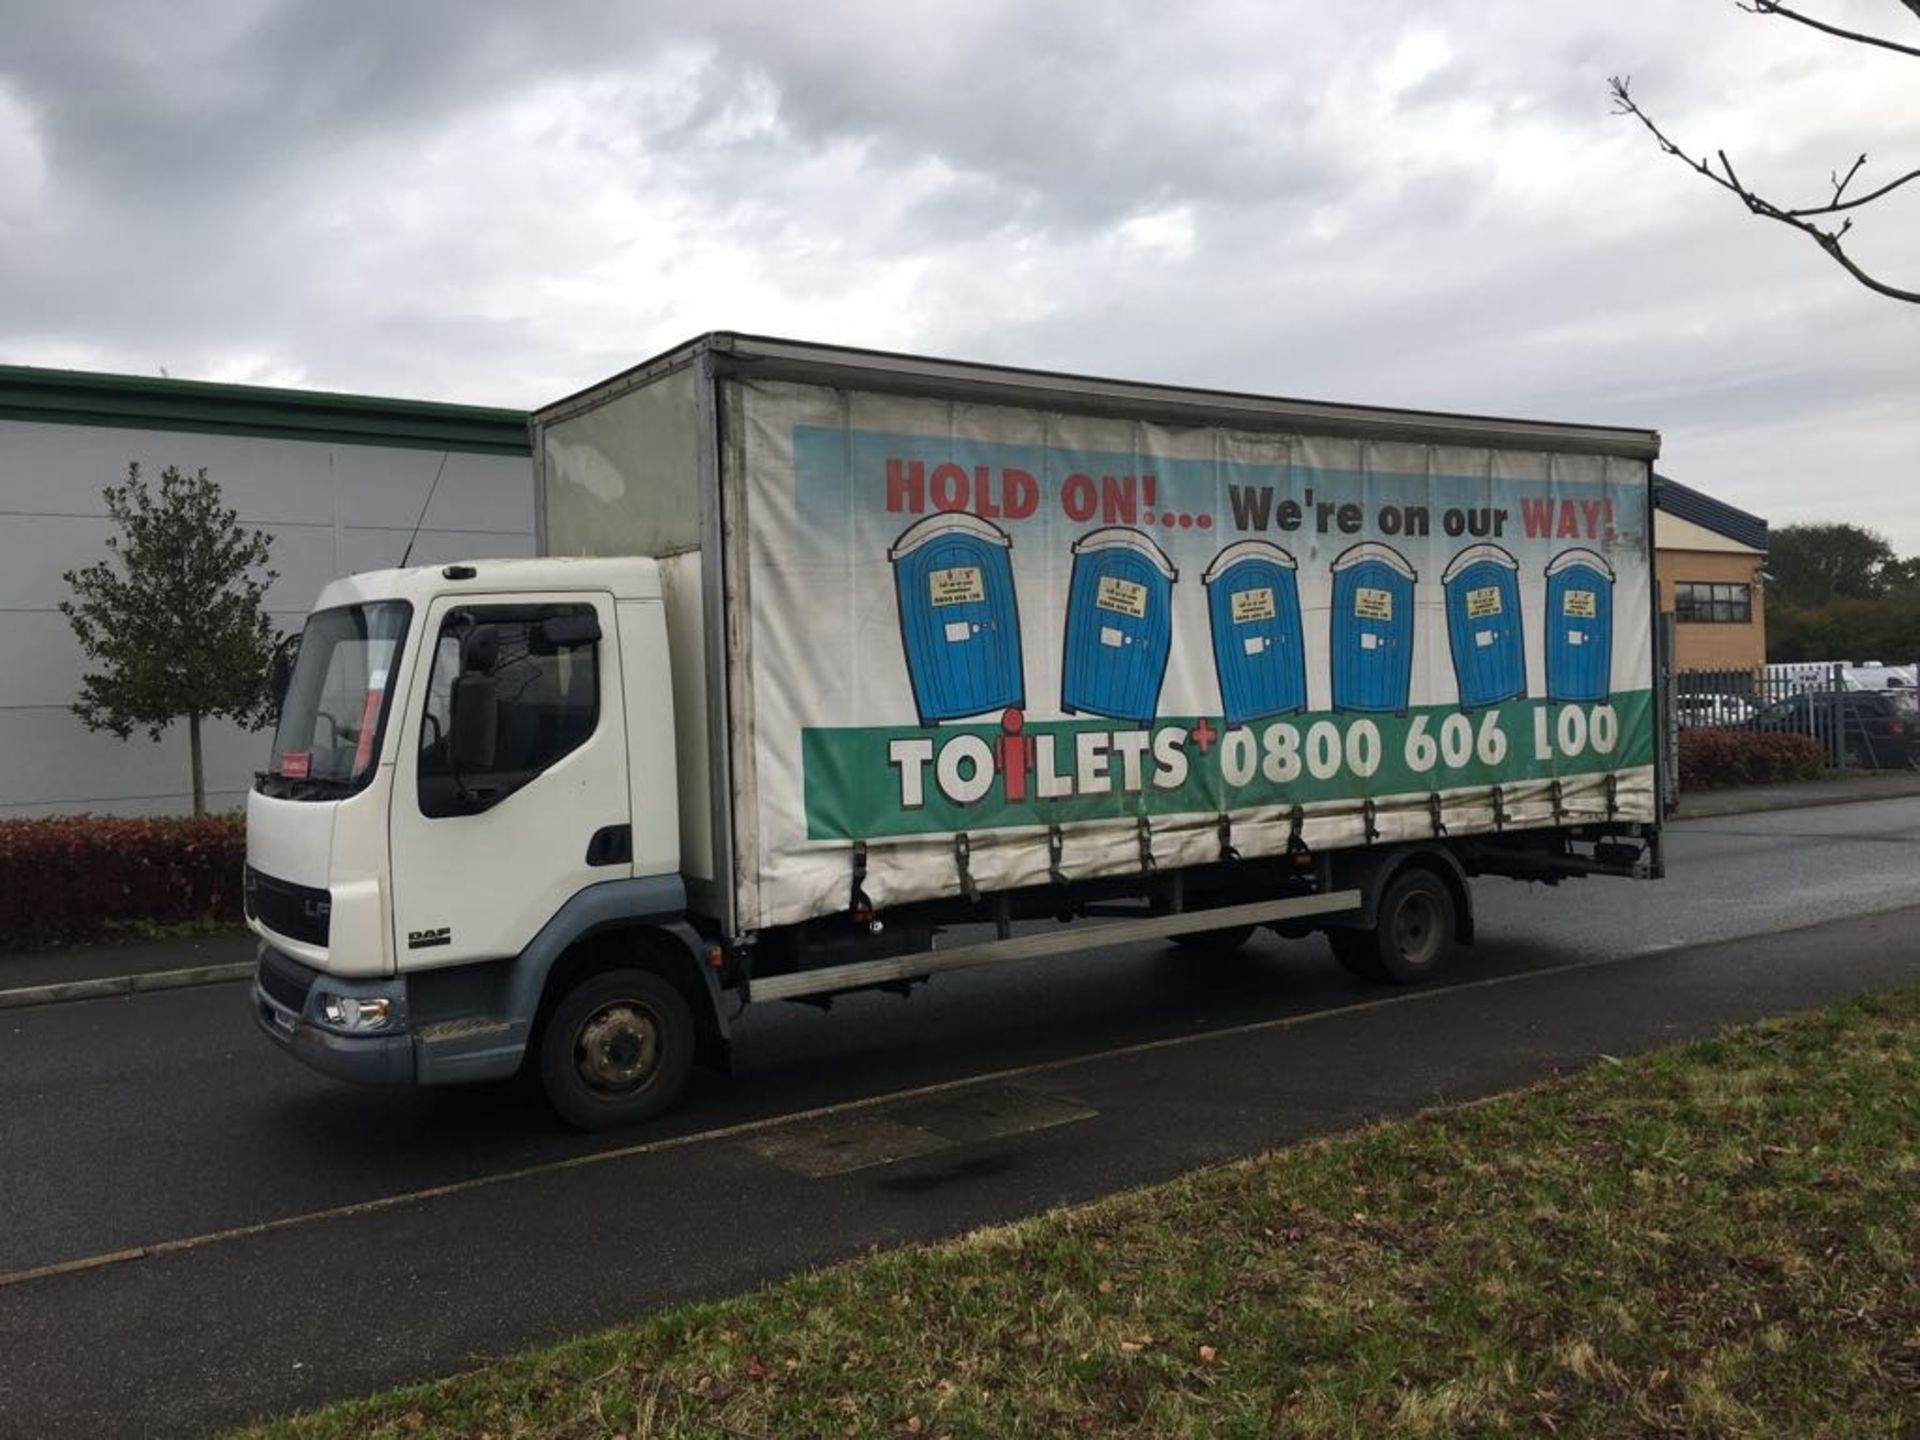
(1860, 724)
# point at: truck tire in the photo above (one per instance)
(1219, 943)
(617, 1049)
(1412, 938)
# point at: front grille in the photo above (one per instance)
(285, 982)
(298, 912)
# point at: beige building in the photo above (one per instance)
(1708, 558)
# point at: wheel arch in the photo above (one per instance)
(1372, 872)
(630, 924)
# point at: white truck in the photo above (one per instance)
(838, 655)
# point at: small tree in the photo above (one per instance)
(176, 627)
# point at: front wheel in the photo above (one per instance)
(1412, 938)
(616, 1050)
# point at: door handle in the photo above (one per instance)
(611, 845)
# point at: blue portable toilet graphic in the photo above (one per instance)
(1484, 632)
(1119, 625)
(1372, 641)
(959, 619)
(1579, 627)
(1253, 604)
(1371, 628)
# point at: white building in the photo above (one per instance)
(337, 480)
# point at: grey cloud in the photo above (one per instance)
(333, 192)
(1060, 103)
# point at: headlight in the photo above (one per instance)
(345, 1012)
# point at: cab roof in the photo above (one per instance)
(624, 577)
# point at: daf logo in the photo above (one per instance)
(427, 939)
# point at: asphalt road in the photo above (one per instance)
(158, 1119)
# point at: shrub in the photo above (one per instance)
(1712, 758)
(77, 877)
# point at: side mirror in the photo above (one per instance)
(564, 632)
(474, 721)
(280, 670)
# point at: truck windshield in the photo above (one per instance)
(330, 723)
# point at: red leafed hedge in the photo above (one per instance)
(76, 877)
(1711, 759)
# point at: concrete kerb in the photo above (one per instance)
(1703, 805)
(112, 986)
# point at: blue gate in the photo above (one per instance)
(1484, 630)
(1119, 625)
(1372, 628)
(1253, 603)
(959, 619)
(1579, 627)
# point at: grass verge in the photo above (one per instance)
(1722, 1239)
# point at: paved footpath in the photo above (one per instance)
(40, 977)
(1834, 790)
(201, 1233)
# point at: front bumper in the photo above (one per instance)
(285, 1006)
(450, 1038)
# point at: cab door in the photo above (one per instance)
(483, 855)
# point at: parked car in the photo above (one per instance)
(1876, 730)
(1699, 711)
(1874, 676)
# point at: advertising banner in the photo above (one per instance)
(1001, 645)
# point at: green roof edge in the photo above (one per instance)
(84, 397)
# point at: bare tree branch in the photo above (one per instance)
(1840, 182)
(1772, 7)
(1858, 200)
(1728, 179)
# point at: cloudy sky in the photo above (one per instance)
(1406, 204)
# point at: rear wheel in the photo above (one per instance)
(1228, 941)
(1417, 920)
(617, 1049)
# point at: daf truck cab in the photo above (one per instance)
(472, 778)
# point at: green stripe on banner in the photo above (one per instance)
(869, 782)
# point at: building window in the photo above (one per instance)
(1701, 604)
